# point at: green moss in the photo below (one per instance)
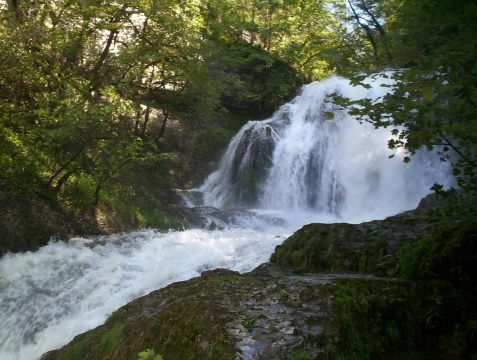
(210, 143)
(218, 283)
(301, 354)
(79, 350)
(435, 255)
(366, 248)
(140, 211)
(249, 324)
(318, 247)
(116, 314)
(148, 354)
(193, 327)
(443, 266)
(110, 341)
(372, 319)
(191, 332)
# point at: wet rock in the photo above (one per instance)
(369, 247)
(223, 315)
(211, 218)
(29, 222)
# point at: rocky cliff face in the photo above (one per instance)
(331, 294)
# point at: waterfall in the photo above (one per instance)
(297, 167)
(303, 159)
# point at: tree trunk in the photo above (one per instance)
(63, 180)
(163, 126)
(367, 30)
(146, 121)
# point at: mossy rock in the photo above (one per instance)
(369, 247)
(268, 314)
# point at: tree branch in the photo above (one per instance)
(456, 149)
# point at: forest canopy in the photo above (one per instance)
(82, 80)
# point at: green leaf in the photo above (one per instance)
(148, 354)
(329, 115)
(428, 93)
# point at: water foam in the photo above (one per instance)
(49, 296)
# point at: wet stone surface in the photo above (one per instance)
(266, 314)
(370, 247)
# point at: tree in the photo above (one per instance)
(433, 100)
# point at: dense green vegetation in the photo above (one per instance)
(89, 90)
(442, 267)
(430, 45)
(374, 320)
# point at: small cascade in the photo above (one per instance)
(243, 168)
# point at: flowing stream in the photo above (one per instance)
(278, 174)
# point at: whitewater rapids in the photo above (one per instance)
(296, 167)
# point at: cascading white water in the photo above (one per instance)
(301, 160)
(296, 166)
(50, 296)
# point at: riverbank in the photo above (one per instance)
(143, 196)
